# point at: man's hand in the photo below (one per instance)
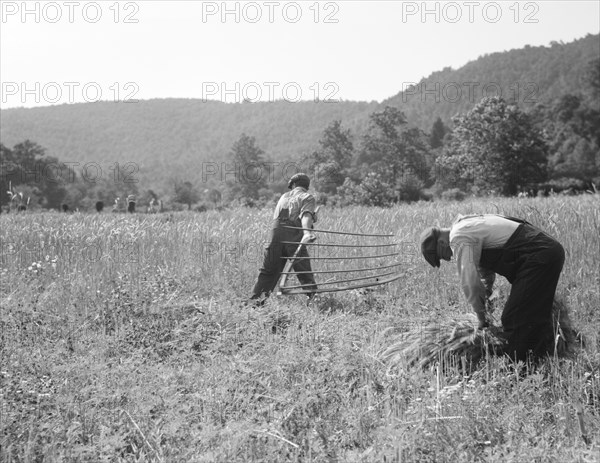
(483, 321)
(308, 237)
(489, 301)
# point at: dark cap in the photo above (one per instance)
(429, 239)
(299, 179)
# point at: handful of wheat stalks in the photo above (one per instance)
(460, 338)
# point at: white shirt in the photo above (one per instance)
(468, 237)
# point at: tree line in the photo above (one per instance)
(497, 147)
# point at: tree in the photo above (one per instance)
(336, 143)
(331, 161)
(438, 132)
(26, 167)
(382, 149)
(591, 79)
(393, 149)
(571, 127)
(249, 170)
(496, 147)
(185, 193)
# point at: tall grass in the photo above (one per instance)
(125, 338)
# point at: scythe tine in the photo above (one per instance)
(340, 233)
(334, 245)
(353, 257)
(382, 267)
(345, 288)
(376, 277)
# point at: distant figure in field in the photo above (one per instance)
(65, 208)
(116, 207)
(530, 259)
(296, 208)
(152, 206)
(99, 206)
(131, 203)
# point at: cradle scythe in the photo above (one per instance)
(387, 276)
(290, 261)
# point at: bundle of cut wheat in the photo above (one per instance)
(457, 338)
(460, 339)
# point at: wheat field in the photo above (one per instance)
(125, 338)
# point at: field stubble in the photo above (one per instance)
(125, 338)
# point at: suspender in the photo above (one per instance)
(514, 219)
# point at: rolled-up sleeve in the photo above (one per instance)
(468, 254)
(308, 205)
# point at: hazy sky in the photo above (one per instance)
(76, 51)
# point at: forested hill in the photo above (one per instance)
(528, 75)
(172, 137)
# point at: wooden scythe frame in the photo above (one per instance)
(372, 280)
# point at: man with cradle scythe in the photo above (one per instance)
(296, 208)
(531, 261)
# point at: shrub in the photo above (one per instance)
(372, 191)
(410, 189)
(453, 194)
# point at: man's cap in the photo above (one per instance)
(429, 239)
(299, 179)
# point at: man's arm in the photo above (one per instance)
(307, 209)
(467, 260)
(307, 224)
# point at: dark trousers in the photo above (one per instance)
(274, 259)
(532, 262)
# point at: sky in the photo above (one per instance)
(123, 51)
